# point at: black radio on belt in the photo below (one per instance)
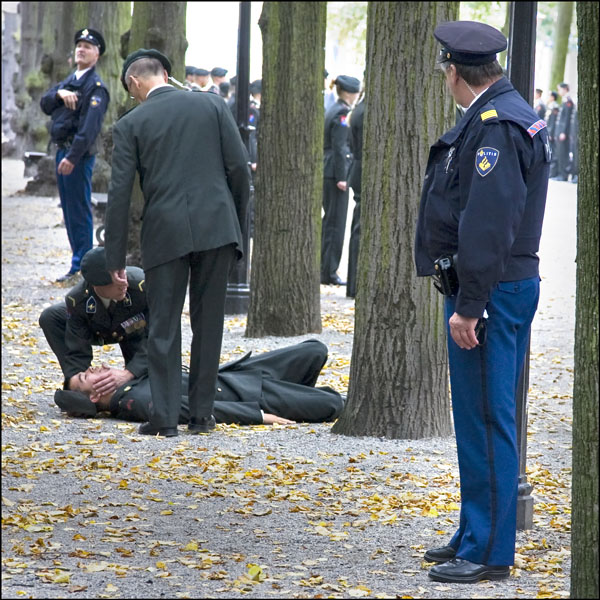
(445, 278)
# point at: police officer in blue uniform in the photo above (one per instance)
(478, 233)
(77, 107)
(337, 157)
(97, 312)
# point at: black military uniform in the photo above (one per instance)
(552, 117)
(337, 159)
(82, 321)
(280, 382)
(74, 132)
(357, 117)
(563, 147)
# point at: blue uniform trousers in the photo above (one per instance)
(484, 382)
(75, 192)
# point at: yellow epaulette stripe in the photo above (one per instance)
(72, 300)
(488, 114)
(140, 285)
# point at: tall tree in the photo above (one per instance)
(561, 43)
(584, 527)
(398, 375)
(158, 25)
(285, 284)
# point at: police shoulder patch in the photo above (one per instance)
(537, 126)
(344, 120)
(95, 101)
(486, 159)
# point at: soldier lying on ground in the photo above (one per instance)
(274, 387)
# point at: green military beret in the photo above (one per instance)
(143, 53)
(93, 267)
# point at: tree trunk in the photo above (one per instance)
(398, 375)
(561, 45)
(584, 526)
(506, 31)
(158, 25)
(285, 287)
(112, 19)
(11, 24)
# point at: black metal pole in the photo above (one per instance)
(238, 290)
(521, 70)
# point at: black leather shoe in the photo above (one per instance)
(440, 555)
(335, 280)
(459, 570)
(202, 425)
(66, 276)
(149, 429)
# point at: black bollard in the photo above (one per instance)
(521, 67)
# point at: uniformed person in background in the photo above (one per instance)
(481, 213)
(202, 79)
(357, 117)
(190, 82)
(77, 106)
(335, 174)
(255, 89)
(538, 103)
(553, 108)
(563, 134)
(272, 387)
(97, 312)
(217, 76)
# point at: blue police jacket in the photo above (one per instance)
(336, 151)
(484, 196)
(77, 129)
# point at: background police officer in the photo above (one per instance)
(483, 202)
(97, 312)
(77, 106)
(336, 155)
(563, 133)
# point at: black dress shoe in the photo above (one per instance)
(459, 570)
(335, 280)
(440, 555)
(149, 429)
(66, 276)
(202, 425)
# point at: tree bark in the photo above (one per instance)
(158, 25)
(561, 45)
(584, 526)
(285, 276)
(398, 375)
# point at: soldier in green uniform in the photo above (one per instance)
(97, 312)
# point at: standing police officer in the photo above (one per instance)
(563, 133)
(97, 312)
(335, 173)
(482, 208)
(77, 106)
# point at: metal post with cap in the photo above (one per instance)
(237, 299)
(521, 68)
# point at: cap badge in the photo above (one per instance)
(485, 160)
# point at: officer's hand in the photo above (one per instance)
(269, 419)
(119, 277)
(342, 185)
(562, 137)
(462, 330)
(253, 166)
(110, 379)
(65, 167)
(69, 98)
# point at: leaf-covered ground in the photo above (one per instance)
(92, 510)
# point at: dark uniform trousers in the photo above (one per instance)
(280, 382)
(75, 192)
(166, 286)
(335, 205)
(484, 384)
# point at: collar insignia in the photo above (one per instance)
(90, 305)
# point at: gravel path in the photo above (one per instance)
(90, 509)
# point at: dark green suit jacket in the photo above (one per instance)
(194, 176)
